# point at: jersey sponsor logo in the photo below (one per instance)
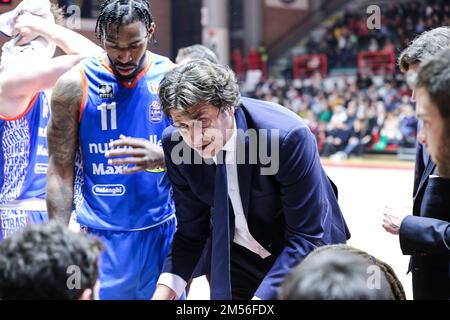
(42, 132)
(108, 190)
(155, 112)
(40, 168)
(153, 87)
(105, 91)
(42, 150)
(13, 221)
(99, 169)
(101, 148)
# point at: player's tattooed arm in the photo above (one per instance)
(62, 135)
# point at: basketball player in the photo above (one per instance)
(109, 111)
(24, 113)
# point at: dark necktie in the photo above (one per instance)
(220, 255)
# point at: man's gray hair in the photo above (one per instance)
(434, 77)
(426, 45)
(196, 51)
(196, 83)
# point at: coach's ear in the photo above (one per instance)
(86, 295)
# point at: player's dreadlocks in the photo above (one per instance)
(120, 12)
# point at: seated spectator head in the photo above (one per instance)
(196, 51)
(341, 272)
(433, 109)
(49, 262)
(423, 47)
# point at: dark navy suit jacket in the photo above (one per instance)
(426, 234)
(289, 213)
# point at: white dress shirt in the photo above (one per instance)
(242, 235)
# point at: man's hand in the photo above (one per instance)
(139, 152)
(28, 27)
(391, 223)
(163, 292)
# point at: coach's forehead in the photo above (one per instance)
(192, 112)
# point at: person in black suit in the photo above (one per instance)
(424, 235)
(248, 174)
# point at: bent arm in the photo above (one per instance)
(70, 42)
(309, 205)
(24, 80)
(62, 135)
(30, 26)
(422, 235)
(30, 78)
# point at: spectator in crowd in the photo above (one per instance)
(401, 22)
(237, 61)
(408, 125)
(390, 132)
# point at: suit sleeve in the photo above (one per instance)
(422, 235)
(193, 223)
(305, 194)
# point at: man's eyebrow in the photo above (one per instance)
(198, 113)
(179, 117)
(115, 41)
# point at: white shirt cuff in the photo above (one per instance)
(174, 282)
(256, 298)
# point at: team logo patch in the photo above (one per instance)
(155, 112)
(105, 91)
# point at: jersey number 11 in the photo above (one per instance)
(104, 108)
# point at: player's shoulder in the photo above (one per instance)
(73, 77)
(69, 86)
(161, 61)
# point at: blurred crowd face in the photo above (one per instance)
(205, 128)
(431, 133)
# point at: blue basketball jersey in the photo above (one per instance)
(24, 152)
(112, 200)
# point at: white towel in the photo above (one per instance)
(37, 49)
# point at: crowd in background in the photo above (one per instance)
(348, 115)
(353, 115)
(400, 23)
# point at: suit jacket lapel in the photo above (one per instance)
(244, 166)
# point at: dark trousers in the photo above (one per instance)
(247, 271)
(430, 278)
